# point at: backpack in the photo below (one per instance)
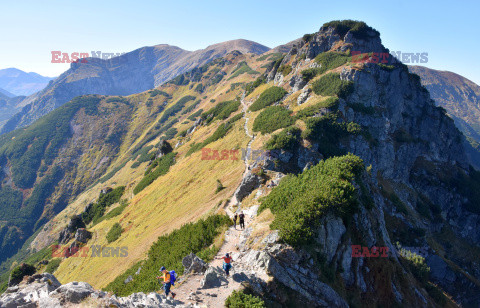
(173, 277)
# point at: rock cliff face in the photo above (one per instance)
(460, 97)
(416, 156)
(133, 72)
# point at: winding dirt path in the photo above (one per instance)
(188, 289)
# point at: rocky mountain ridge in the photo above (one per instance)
(136, 71)
(406, 185)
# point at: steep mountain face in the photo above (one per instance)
(20, 83)
(459, 96)
(393, 223)
(133, 72)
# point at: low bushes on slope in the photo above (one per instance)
(268, 97)
(330, 60)
(331, 85)
(287, 139)
(160, 167)
(221, 131)
(359, 29)
(175, 108)
(327, 131)
(330, 103)
(168, 251)
(114, 233)
(53, 265)
(221, 111)
(240, 299)
(272, 118)
(242, 68)
(299, 201)
(251, 86)
(96, 211)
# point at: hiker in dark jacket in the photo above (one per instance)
(242, 220)
(167, 284)
(235, 221)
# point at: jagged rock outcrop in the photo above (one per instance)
(249, 183)
(212, 278)
(193, 264)
(75, 223)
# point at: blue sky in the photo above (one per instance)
(30, 30)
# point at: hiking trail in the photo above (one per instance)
(189, 288)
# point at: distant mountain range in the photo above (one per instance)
(5, 93)
(19, 83)
(133, 72)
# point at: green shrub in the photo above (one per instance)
(272, 118)
(270, 56)
(53, 265)
(386, 67)
(109, 175)
(268, 97)
(97, 210)
(21, 271)
(308, 37)
(193, 116)
(331, 84)
(417, 264)
(330, 103)
(327, 131)
(168, 251)
(143, 156)
(359, 29)
(115, 212)
(159, 167)
(287, 139)
(170, 133)
(191, 107)
(220, 187)
(285, 69)
(156, 92)
(251, 86)
(221, 111)
(298, 202)
(175, 108)
(330, 60)
(242, 68)
(114, 233)
(309, 73)
(240, 299)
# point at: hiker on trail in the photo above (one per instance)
(235, 221)
(242, 220)
(227, 263)
(168, 280)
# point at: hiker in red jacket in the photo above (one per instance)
(227, 263)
